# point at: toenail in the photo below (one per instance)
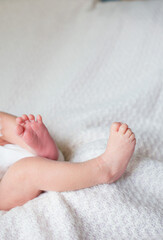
(129, 132)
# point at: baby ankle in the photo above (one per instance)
(104, 170)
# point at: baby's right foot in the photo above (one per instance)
(119, 151)
(35, 134)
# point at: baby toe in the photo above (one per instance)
(115, 126)
(132, 137)
(19, 120)
(128, 133)
(123, 128)
(25, 117)
(31, 117)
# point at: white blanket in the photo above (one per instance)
(82, 66)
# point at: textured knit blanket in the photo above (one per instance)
(83, 67)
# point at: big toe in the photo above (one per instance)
(19, 120)
(115, 126)
(25, 117)
(19, 130)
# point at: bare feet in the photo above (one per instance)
(35, 134)
(119, 151)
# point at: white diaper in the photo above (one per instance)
(10, 154)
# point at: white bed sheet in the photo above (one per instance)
(83, 66)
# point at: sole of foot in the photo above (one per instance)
(35, 134)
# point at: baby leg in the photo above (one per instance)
(28, 177)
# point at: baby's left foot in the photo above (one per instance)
(119, 151)
(36, 135)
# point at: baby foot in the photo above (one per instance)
(35, 134)
(119, 151)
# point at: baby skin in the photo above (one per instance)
(30, 176)
(36, 136)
